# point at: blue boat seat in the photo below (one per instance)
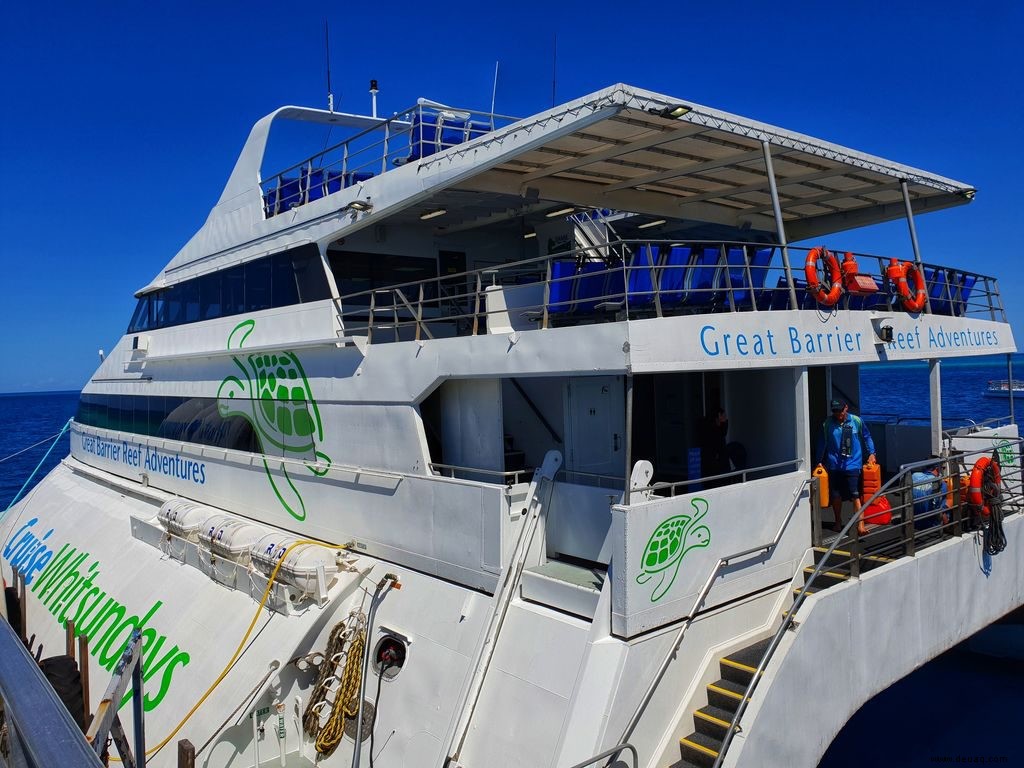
(640, 285)
(453, 131)
(702, 278)
(672, 277)
(940, 290)
(270, 202)
(315, 183)
(963, 294)
(475, 129)
(560, 290)
(289, 193)
(423, 135)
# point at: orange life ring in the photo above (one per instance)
(830, 297)
(911, 302)
(975, 495)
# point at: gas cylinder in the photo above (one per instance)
(872, 479)
(822, 476)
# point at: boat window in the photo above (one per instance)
(210, 287)
(257, 285)
(140, 318)
(189, 419)
(293, 277)
(233, 290)
(357, 273)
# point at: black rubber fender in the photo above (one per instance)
(13, 609)
(63, 674)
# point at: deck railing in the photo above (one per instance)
(408, 136)
(656, 279)
(909, 533)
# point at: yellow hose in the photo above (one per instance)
(238, 650)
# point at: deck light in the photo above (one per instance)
(434, 214)
(673, 112)
(363, 206)
(650, 224)
(560, 212)
(528, 235)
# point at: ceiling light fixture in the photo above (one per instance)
(528, 235)
(651, 224)
(434, 214)
(560, 212)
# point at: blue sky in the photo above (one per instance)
(121, 121)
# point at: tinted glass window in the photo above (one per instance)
(194, 420)
(309, 274)
(173, 304)
(257, 285)
(140, 320)
(233, 288)
(285, 289)
(210, 306)
(190, 301)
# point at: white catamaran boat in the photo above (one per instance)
(412, 457)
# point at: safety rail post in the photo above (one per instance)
(369, 320)
(83, 668)
(724, 256)
(953, 473)
(476, 305)
(907, 497)
(816, 531)
(22, 593)
(547, 293)
(856, 550)
(750, 279)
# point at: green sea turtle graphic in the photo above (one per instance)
(273, 395)
(1006, 452)
(669, 544)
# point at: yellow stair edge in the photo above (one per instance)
(738, 665)
(711, 719)
(833, 574)
(724, 691)
(844, 553)
(699, 747)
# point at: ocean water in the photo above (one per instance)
(961, 707)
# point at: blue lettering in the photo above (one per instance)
(794, 340)
(703, 343)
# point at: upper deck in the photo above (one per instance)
(681, 170)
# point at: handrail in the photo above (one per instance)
(40, 730)
(600, 289)
(613, 752)
(788, 618)
(741, 473)
(722, 562)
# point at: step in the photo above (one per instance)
(712, 721)
(739, 666)
(565, 586)
(700, 749)
(810, 591)
(725, 694)
(825, 578)
(840, 559)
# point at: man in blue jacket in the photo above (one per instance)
(841, 454)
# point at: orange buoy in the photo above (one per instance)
(975, 493)
(823, 494)
(912, 301)
(814, 284)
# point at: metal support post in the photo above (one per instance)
(107, 721)
(186, 754)
(935, 402)
(779, 228)
(913, 239)
(1009, 378)
(629, 438)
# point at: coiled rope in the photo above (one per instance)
(346, 699)
(995, 536)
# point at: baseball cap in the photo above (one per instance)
(837, 405)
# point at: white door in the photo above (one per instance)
(595, 411)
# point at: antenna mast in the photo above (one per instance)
(327, 53)
(494, 90)
(373, 96)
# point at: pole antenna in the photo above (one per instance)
(327, 53)
(554, 66)
(494, 90)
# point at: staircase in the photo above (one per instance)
(701, 748)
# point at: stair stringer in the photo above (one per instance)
(713, 635)
(877, 629)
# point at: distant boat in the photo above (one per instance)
(1003, 388)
